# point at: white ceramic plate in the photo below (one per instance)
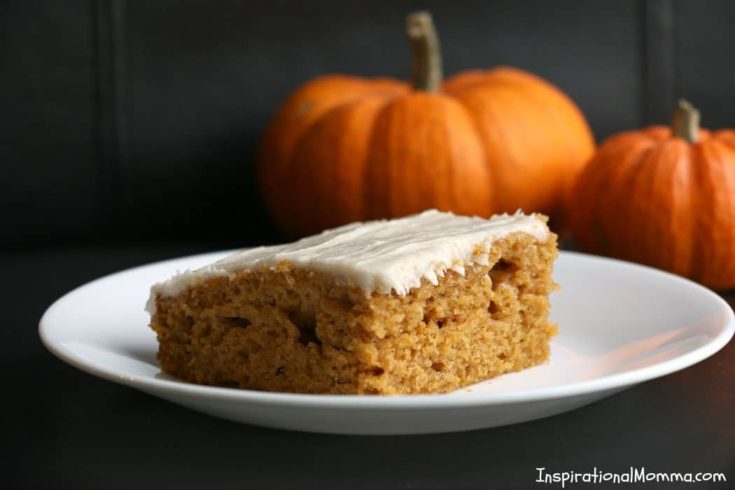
(620, 324)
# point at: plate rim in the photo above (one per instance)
(394, 402)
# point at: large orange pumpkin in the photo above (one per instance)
(663, 197)
(343, 148)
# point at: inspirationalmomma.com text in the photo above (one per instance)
(633, 475)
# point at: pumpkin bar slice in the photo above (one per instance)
(423, 304)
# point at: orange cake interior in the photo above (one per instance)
(282, 319)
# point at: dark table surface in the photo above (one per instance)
(68, 429)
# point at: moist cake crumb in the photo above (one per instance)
(284, 326)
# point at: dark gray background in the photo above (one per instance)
(134, 122)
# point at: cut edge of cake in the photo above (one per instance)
(280, 325)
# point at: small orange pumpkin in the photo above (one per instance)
(343, 149)
(663, 197)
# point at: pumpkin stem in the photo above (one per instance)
(686, 122)
(426, 70)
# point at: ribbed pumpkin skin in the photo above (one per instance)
(281, 190)
(535, 138)
(424, 153)
(343, 149)
(658, 200)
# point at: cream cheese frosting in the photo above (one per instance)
(385, 256)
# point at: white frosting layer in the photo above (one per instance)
(382, 256)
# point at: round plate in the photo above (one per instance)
(619, 323)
